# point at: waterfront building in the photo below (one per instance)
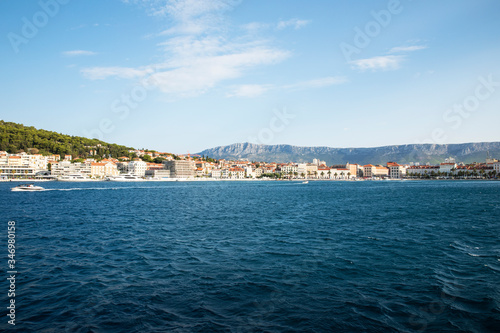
(396, 171)
(289, 169)
(370, 171)
(137, 168)
(258, 172)
(447, 167)
(199, 172)
(97, 170)
(103, 169)
(496, 167)
(236, 173)
(249, 171)
(15, 166)
(157, 173)
(65, 168)
(309, 170)
(180, 168)
(324, 172)
(216, 173)
(422, 170)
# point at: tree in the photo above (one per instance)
(146, 158)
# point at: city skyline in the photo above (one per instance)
(178, 76)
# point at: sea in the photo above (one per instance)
(253, 256)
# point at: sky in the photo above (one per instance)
(186, 75)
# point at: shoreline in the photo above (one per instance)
(232, 180)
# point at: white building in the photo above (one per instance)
(216, 173)
(496, 167)
(422, 170)
(236, 173)
(289, 168)
(249, 172)
(21, 165)
(447, 167)
(137, 168)
(66, 168)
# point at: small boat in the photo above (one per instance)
(27, 188)
(306, 182)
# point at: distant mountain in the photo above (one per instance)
(423, 153)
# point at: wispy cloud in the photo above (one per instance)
(199, 52)
(254, 90)
(76, 53)
(255, 26)
(389, 62)
(204, 72)
(294, 23)
(400, 49)
(249, 90)
(100, 73)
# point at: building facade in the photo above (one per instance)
(180, 168)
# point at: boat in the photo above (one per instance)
(75, 177)
(27, 188)
(125, 178)
(306, 182)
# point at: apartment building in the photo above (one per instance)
(180, 168)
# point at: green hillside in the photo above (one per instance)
(15, 138)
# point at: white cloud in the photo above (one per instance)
(400, 49)
(249, 90)
(75, 53)
(253, 27)
(202, 73)
(100, 73)
(253, 90)
(198, 52)
(390, 62)
(192, 16)
(295, 23)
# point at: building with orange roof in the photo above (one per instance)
(396, 171)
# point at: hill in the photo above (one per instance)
(423, 153)
(17, 137)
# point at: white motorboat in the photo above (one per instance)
(75, 177)
(27, 188)
(306, 182)
(125, 178)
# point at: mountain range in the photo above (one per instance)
(423, 153)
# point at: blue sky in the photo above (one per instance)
(185, 75)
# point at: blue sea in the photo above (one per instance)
(409, 256)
